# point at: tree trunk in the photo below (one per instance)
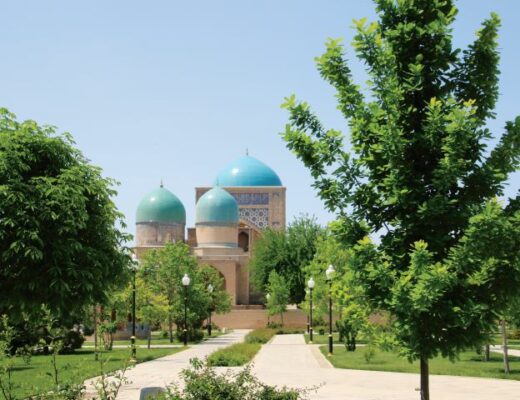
(170, 327)
(504, 347)
(95, 335)
(150, 336)
(486, 353)
(281, 318)
(425, 379)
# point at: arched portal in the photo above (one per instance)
(243, 240)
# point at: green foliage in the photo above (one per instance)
(203, 382)
(348, 299)
(420, 175)
(278, 295)
(162, 271)
(262, 335)
(234, 355)
(286, 253)
(60, 244)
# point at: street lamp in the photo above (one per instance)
(330, 273)
(310, 284)
(210, 291)
(267, 297)
(185, 283)
(308, 319)
(134, 264)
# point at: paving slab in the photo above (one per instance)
(288, 361)
(163, 371)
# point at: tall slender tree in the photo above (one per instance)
(420, 175)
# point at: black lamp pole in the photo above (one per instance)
(132, 339)
(310, 318)
(330, 317)
(185, 315)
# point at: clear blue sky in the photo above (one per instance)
(176, 90)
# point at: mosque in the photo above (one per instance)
(247, 197)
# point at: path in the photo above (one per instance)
(162, 371)
(287, 360)
(498, 349)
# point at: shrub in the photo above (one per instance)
(261, 336)
(290, 331)
(71, 341)
(203, 382)
(194, 335)
(234, 356)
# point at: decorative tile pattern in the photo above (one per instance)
(256, 216)
(251, 199)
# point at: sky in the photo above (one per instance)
(176, 90)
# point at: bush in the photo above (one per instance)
(71, 341)
(261, 336)
(234, 356)
(290, 331)
(194, 335)
(203, 382)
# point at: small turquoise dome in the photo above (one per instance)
(161, 205)
(216, 205)
(247, 171)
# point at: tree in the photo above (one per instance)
(61, 242)
(279, 295)
(165, 268)
(348, 300)
(420, 176)
(286, 253)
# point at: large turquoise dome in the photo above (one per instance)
(247, 171)
(216, 206)
(161, 205)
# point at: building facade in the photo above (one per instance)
(247, 197)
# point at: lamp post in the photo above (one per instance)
(308, 325)
(268, 296)
(210, 291)
(330, 273)
(135, 263)
(185, 283)
(310, 284)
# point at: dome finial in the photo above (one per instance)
(162, 183)
(247, 151)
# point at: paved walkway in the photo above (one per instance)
(287, 360)
(511, 352)
(162, 371)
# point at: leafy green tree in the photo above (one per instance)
(278, 295)
(165, 268)
(348, 300)
(420, 175)
(286, 253)
(61, 242)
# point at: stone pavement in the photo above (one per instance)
(288, 361)
(163, 371)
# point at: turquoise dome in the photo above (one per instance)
(216, 206)
(161, 205)
(247, 171)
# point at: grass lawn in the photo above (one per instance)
(470, 364)
(324, 339)
(74, 368)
